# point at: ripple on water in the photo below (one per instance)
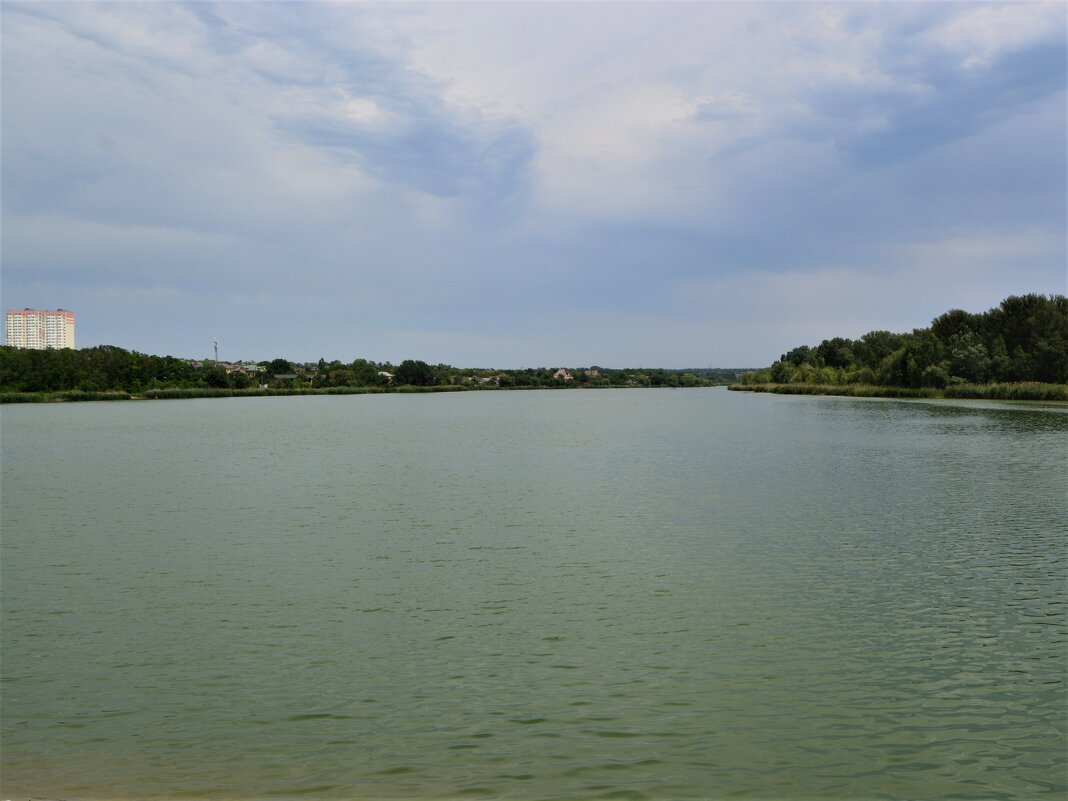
(566, 596)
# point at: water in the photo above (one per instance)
(636, 594)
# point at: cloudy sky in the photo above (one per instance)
(524, 184)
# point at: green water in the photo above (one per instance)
(632, 594)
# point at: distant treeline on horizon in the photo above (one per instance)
(1023, 339)
(106, 368)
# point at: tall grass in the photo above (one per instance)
(259, 392)
(69, 396)
(182, 393)
(1031, 391)
(434, 388)
(851, 390)
(188, 392)
(1027, 390)
(351, 390)
(79, 395)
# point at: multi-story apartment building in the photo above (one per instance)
(39, 329)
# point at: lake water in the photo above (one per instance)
(630, 594)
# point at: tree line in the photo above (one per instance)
(1025, 338)
(106, 368)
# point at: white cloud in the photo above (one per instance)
(978, 33)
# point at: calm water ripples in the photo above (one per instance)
(638, 594)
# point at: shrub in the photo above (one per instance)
(175, 393)
(79, 395)
(22, 397)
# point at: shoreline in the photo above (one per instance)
(79, 396)
(1023, 391)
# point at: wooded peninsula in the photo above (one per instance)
(1017, 351)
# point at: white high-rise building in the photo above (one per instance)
(39, 329)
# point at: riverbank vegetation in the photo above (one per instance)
(1016, 351)
(112, 373)
(1030, 391)
(206, 392)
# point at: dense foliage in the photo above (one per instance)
(108, 369)
(97, 369)
(1025, 339)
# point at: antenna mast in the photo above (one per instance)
(216, 350)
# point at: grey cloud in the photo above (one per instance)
(427, 155)
(941, 103)
(715, 112)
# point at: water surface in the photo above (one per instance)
(641, 594)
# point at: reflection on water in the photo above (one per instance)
(604, 594)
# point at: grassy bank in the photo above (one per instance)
(1028, 391)
(1031, 390)
(205, 392)
(62, 397)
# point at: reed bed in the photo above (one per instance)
(255, 392)
(182, 393)
(851, 390)
(76, 395)
(68, 396)
(190, 392)
(1025, 391)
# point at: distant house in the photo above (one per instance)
(592, 373)
(385, 375)
(563, 374)
(240, 367)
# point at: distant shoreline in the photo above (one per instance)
(1025, 391)
(77, 396)
(1029, 391)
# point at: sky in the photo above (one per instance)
(510, 185)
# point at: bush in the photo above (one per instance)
(22, 397)
(78, 395)
(194, 392)
(934, 375)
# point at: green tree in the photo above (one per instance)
(837, 352)
(1049, 340)
(364, 373)
(968, 356)
(416, 373)
(799, 355)
(214, 376)
(954, 323)
(934, 375)
(1034, 329)
(781, 372)
(872, 349)
(338, 377)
